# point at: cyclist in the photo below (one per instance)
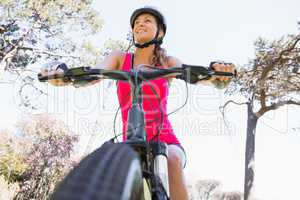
(149, 28)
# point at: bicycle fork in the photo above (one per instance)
(160, 165)
(154, 160)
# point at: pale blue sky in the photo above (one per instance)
(198, 32)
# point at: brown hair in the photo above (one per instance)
(160, 56)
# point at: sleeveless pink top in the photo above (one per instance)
(155, 95)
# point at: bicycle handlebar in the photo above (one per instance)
(186, 72)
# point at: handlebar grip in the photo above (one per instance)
(50, 77)
(42, 78)
(218, 73)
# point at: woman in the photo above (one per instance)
(149, 28)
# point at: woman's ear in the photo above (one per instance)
(161, 34)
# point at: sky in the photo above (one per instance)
(198, 33)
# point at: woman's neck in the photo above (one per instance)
(144, 56)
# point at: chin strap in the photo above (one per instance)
(155, 41)
(147, 44)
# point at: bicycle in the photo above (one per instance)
(135, 169)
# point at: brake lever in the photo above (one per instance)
(78, 71)
(70, 75)
(192, 73)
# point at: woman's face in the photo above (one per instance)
(145, 28)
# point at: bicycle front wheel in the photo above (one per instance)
(112, 172)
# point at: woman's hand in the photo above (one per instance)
(58, 70)
(221, 82)
(222, 67)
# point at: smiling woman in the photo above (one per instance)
(145, 28)
(149, 28)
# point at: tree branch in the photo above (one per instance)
(274, 106)
(266, 71)
(46, 52)
(6, 59)
(2, 29)
(222, 108)
(263, 98)
(271, 65)
(295, 85)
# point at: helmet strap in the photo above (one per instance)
(154, 41)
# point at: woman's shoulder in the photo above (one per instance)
(173, 61)
(112, 61)
(119, 56)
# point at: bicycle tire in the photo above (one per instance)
(112, 172)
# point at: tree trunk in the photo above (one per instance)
(249, 155)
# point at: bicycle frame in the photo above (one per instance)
(153, 155)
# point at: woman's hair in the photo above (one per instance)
(160, 56)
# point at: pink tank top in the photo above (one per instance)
(155, 95)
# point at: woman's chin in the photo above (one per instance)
(142, 40)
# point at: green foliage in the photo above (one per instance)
(232, 195)
(220, 84)
(112, 45)
(271, 79)
(34, 30)
(48, 157)
(12, 165)
(212, 190)
(7, 191)
(37, 156)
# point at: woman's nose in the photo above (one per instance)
(140, 24)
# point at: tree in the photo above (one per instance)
(7, 191)
(31, 30)
(269, 81)
(35, 158)
(233, 195)
(206, 188)
(212, 190)
(35, 32)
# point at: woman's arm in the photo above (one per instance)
(175, 62)
(112, 62)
